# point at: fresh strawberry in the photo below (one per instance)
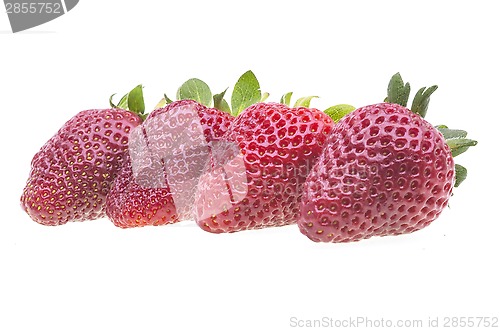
(384, 171)
(130, 204)
(73, 172)
(168, 152)
(259, 183)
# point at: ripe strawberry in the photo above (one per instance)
(73, 172)
(384, 171)
(259, 183)
(129, 204)
(168, 152)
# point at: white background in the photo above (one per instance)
(93, 276)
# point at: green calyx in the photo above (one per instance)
(220, 103)
(460, 174)
(195, 89)
(304, 101)
(334, 112)
(399, 92)
(133, 101)
(338, 111)
(421, 100)
(456, 139)
(286, 98)
(245, 92)
(459, 143)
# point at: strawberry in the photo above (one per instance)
(258, 168)
(168, 153)
(384, 171)
(72, 173)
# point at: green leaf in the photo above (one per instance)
(264, 97)
(136, 100)
(305, 101)
(246, 92)
(397, 91)
(167, 99)
(197, 90)
(133, 101)
(421, 100)
(460, 145)
(286, 98)
(224, 106)
(123, 103)
(111, 101)
(220, 103)
(162, 103)
(460, 174)
(449, 133)
(338, 111)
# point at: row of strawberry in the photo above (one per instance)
(340, 174)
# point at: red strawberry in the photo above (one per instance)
(259, 168)
(73, 172)
(170, 151)
(384, 171)
(131, 205)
